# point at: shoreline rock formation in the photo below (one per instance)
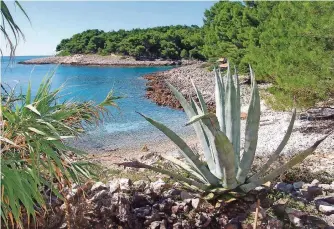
(97, 60)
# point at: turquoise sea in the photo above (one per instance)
(123, 128)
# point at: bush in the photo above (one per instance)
(34, 152)
(64, 53)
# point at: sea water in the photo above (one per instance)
(121, 128)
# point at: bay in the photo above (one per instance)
(121, 128)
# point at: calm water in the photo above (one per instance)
(124, 127)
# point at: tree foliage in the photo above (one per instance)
(288, 43)
(165, 42)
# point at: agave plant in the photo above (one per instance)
(225, 165)
(34, 150)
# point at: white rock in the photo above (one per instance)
(114, 185)
(326, 207)
(98, 186)
(195, 203)
(124, 184)
(158, 186)
(315, 182)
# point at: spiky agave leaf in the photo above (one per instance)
(279, 149)
(231, 115)
(220, 101)
(298, 158)
(251, 133)
(189, 155)
(198, 129)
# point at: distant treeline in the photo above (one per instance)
(166, 42)
(290, 44)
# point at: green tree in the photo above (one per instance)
(184, 54)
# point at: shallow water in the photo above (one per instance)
(123, 128)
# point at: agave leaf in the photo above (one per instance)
(137, 164)
(195, 107)
(220, 101)
(185, 167)
(189, 155)
(226, 157)
(197, 118)
(218, 170)
(292, 162)
(236, 132)
(251, 133)
(279, 149)
(200, 98)
(198, 129)
(231, 116)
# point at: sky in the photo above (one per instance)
(52, 21)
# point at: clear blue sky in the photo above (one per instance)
(53, 21)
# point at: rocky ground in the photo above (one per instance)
(124, 203)
(96, 60)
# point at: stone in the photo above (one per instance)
(100, 195)
(139, 185)
(314, 190)
(294, 216)
(325, 207)
(298, 185)
(195, 203)
(142, 212)
(125, 184)
(98, 186)
(186, 195)
(284, 187)
(327, 187)
(155, 225)
(275, 224)
(113, 186)
(315, 182)
(177, 225)
(175, 209)
(172, 192)
(158, 186)
(310, 221)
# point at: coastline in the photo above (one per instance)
(112, 60)
(273, 124)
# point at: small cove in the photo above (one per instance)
(122, 128)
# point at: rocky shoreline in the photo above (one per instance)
(112, 60)
(181, 77)
(273, 124)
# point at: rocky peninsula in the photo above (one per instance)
(111, 60)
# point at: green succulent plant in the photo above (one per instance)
(219, 134)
